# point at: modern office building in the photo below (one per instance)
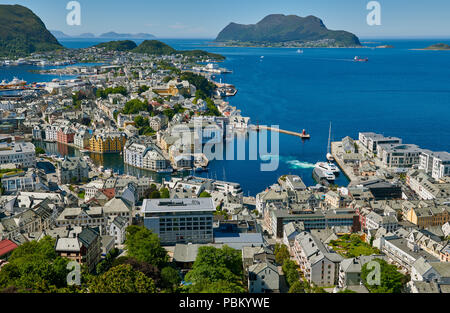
(180, 220)
(399, 155)
(437, 164)
(372, 140)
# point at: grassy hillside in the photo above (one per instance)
(438, 46)
(22, 32)
(120, 45)
(156, 47)
(283, 28)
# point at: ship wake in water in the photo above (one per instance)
(296, 164)
(291, 161)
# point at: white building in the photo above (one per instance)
(399, 155)
(19, 153)
(117, 229)
(51, 133)
(318, 265)
(372, 140)
(180, 220)
(147, 156)
(435, 163)
(376, 221)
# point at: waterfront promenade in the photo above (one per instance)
(288, 132)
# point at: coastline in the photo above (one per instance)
(424, 49)
(293, 47)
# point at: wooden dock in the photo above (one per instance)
(302, 135)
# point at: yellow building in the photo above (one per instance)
(428, 216)
(107, 143)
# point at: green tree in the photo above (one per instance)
(203, 85)
(391, 280)
(122, 279)
(143, 245)
(39, 150)
(281, 253)
(221, 286)
(147, 269)
(164, 192)
(35, 267)
(170, 278)
(143, 89)
(214, 268)
(290, 272)
(205, 194)
(297, 287)
(135, 106)
(155, 195)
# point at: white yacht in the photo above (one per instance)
(328, 166)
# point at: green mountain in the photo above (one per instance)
(22, 32)
(279, 28)
(120, 45)
(438, 46)
(114, 35)
(156, 47)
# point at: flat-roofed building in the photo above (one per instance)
(437, 164)
(294, 182)
(399, 155)
(19, 153)
(372, 140)
(180, 220)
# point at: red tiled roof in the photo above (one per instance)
(6, 246)
(109, 192)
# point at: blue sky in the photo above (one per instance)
(205, 18)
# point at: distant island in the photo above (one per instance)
(120, 45)
(110, 35)
(438, 46)
(155, 47)
(22, 32)
(113, 35)
(278, 30)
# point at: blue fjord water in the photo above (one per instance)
(399, 92)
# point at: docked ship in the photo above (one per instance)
(323, 176)
(14, 84)
(328, 167)
(358, 59)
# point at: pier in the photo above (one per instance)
(302, 135)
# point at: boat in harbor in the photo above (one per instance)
(299, 51)
(14, 84)
(320, 175)
(358, 59)
(328, 166)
